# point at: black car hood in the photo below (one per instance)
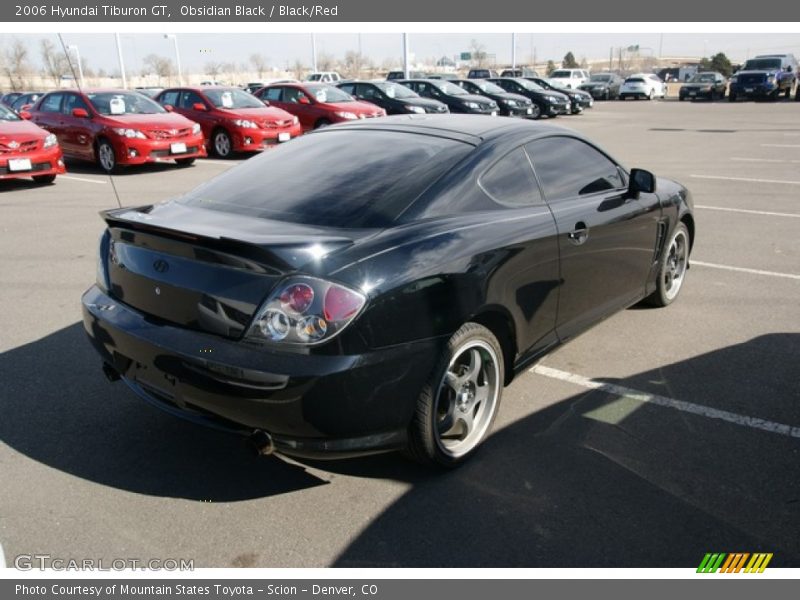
(472, 98)
(424, 102)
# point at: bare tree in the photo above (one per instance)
(355, 63)
(326, 62)
(299, 69)
(54, 62)
(212, 69)
(260, 64)
(230, 70)
(478, 52)
(16, 65)
(161, 66)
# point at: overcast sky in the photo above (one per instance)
(282, 50)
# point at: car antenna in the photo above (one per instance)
(78, 84)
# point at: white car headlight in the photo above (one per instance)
(346, 115)
(552, 98)
(130, 133)
(50, 140)
(511, 102)
(244, 123)
(295, 121)
(415, 109)
(733, 80)
(196, 128)
(473, 105)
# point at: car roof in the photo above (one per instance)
(474, 129)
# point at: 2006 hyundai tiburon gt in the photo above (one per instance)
(374, 285)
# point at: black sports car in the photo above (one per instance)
(394, 98)
(509, 105)
(551, 104)
(384, 303)
(579, 100)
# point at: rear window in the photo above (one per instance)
(345, 179)
(634, 80)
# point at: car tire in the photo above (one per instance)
(537, 112)
(184, 162)
(606, 95)
(681, 98)
(651, 95)
(106, 157)
(459, 403)
(44, 179)
(731, 97)
(673, 267)
(221, 143)
(321, 123)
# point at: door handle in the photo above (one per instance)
(580, 234)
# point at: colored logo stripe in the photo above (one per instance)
(734, 563)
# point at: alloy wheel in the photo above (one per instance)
(675, 267)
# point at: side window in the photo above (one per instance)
(368, 92)
(568, 168)
(272, 94)
(348, 88)
(189, 99)
(73, 101)
(52, 103)
(170, 98)
(510, 181)
(293, 95)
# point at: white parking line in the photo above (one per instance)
(749, 212)
(689, 407)
(211, 161)
(73, 178)
(745, 270)
(780, 145)
(766, 160)
(753, 180)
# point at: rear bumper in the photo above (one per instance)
(43, 162)
(311, 404)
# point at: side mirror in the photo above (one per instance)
(26, 107)
(24, 114)
(169, 107)
(80, 113)
(199, 106)
(642, 181)
(304, 100)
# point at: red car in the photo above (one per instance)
(27, 150)
(232, 120)
(317, 104)
(117, 127)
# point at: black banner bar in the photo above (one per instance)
(329, 11)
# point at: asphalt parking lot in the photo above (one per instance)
(658, 436)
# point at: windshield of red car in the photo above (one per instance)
(232, 99)
(123, 103)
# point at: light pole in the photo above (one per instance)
(74, 48)
(313, 53)
(121, 62)
(513, 50)
(405, 55)
(174, 38)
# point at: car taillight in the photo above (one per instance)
(305, 310)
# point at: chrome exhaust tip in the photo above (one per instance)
(261, 443)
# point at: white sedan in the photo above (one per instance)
(642, 85)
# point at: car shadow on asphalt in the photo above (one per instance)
(600, 480)
(81, 167)
(595, 480)
(59, 410)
